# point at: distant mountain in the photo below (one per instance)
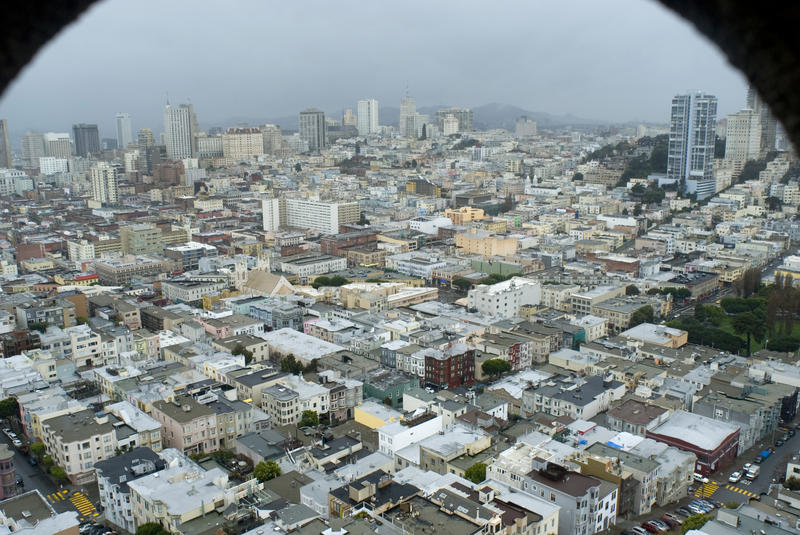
(484, 117)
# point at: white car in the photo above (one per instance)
(735, 477)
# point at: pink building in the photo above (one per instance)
(8, 479)
(188, 426)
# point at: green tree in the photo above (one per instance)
(336, 280)
(297, 168)
(309, 419)
(700, 312)
(38, 449)
(58, 473)
(694, 522)
(40, 326)
(9, 407)
(266, 470)
(642, 315)
(290, 365)
(637, 210)
(751, 325)
(577, 176)
(495, 367)
(792, 483)
(80, 320)
(151, 528)
(239, 349)
(476, 473)
(774, 203)
(47, 461)
(632, 289)
(462, 284)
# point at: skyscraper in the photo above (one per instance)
(32, 148)
(180, 125)
(406, 121)
(349, 118)
(104, 183)
(57, 145)
(313, 129)
(690, 157)
(5, 147)
(464, 116)
(769, 125)
(146, 142)
(743, 137)
(124, 130)
(87, 139)
(367, 117)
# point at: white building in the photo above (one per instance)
(324, 217)
(429, 224)
(80, 250)
(504, 299)
(12, 180)
(396, 436)
(124, 130)
(449, 125)
(57, 145)
(49, 165)
(180, 125)
(743, 137)
(86, 348)
(314, 265)
(367, 117)
(242, 144)
(104, 183)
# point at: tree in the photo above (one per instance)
(297, 167)
(577, 176)
(637, 210)
(336, 280)
(424, 135)
(792, 483)
(774, 203)
(151, 528)
(462, 284)
(476, 473)
(495, 367)
(80, 320)
(631, 289)
(309, 419)
(700, 312)
(9, 407)
(59, 473)
(290, 365)
(266, 470)
(638, 189)
(38, 449)
(642, 315)
(40, 326)
(694, 522)
(750, 324)
(47, 461)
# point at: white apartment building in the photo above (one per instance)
(49, 165)
(86, 347)
(504, 299)
(558, 296)
(429, 224)
(148, 430)
(314, 265)
(396, 436)
(271, 213)
(242, 144)
(368, 119)
(190, 291)
(324, 217)
(743, 137)
(9, 179)
(104, 183)
(290, 396)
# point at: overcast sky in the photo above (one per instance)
(615, 60)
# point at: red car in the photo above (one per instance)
(652, 528)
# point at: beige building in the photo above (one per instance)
(486, 243)
(141, 239)
(242, 144)
(76, 441)
(464, 215)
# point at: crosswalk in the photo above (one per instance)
(706, 490)
(741, 491)
(78, 500)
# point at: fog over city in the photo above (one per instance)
(615, 61)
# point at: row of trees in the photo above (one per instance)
(465, 284)
(289, 364)
(336, 280)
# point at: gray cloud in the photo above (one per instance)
(615, 60)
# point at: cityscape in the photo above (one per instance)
(400, 318)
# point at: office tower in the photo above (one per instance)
(180, 125)
(313, 129)
(406, 121)
(209, 146)
(349, 118)
(32, 148)
(87, 139)
(108, 143)
(57, 145)
(769, 124)
(525, 127)
(367, 117)
(104, 183)
(273, 140)
(690, 157)
(124, 130)
(5, 147)
(464, 116)
(145, 142)
(743, 137)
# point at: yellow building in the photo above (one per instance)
(497, 225)
(465, 214)
(33, 265)
(375, 415)
(486, 243)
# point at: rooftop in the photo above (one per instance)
(705, 433)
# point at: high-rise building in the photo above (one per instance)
(690, 157)
(32, 148)
(124, 130)
(406, 121)
(743, 136)
(368, 118)
(464, 116)
(448, 125)
(273, 140)
(180, 125)
(242, 144)
(349, 118)
(313, 129)
(146, 141)
(5, 147)
(324, 217)
(104, 183)
(769, 124)
(57, 145)
(525, 127)
(87, 139)
(209, 146)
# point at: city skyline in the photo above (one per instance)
(617, 82)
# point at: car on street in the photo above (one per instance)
(778, 443)
(32, 461)
(639, 531)
(735, 477)
(758, 460)
(668, 521)
(708, 503)
(746, 467)
(17, 443)
(700, 478)
(790, 432)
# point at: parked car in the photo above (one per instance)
(651, 528)
(735, 477)
(700, 505)
(32, 461)
(779, 443)
(746, 467)
(674, 517)
(684, 512)
(17, 443)
(696, 508)
(639, 531)
(670, 522)
(700, 478)
(708, 503)
(758, 460)
(785, 437)
(790, 432)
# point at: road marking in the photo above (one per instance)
(83, 505)
(741, 491)
(706, 490)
